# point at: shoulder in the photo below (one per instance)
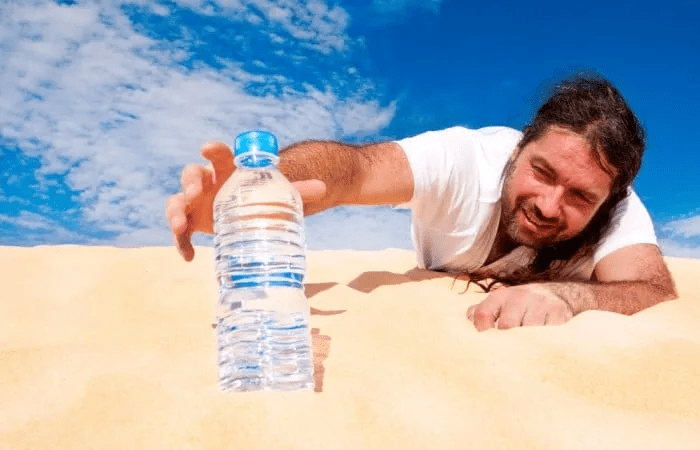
(495, 147)
(460, 158)
(506, 134)
(631, 225)
(459, 139)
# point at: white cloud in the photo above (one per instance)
(13, 200)
(679, 249)
(312, 22)
(687, 227)
(28, 220)
(116, 113)
(681, 237)
(33, 228)
(155, 8)
(361, 118)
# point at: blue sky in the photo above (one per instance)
(103, 103)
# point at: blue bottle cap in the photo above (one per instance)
(256, 142)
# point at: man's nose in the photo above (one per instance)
(549, 203)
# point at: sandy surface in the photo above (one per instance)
(113, 348)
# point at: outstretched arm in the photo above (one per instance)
(326, 173)
(627, 281)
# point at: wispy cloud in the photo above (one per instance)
(681, 237)
(31, 229)
(313, 23)
(682, 249)
(688, 227)
(114, 107)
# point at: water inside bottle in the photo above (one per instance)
(263, 335)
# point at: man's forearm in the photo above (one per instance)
(372, 174)
(336, 164)
(624, 297)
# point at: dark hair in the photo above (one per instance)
(593, 108)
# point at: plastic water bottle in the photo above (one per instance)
(263, 336)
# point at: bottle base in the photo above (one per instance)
(264, 385)
(264, 351)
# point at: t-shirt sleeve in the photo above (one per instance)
(631, 225)
(445, 173)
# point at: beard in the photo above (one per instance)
(546, 236)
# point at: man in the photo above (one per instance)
(548, 212)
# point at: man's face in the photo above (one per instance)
(553, 189)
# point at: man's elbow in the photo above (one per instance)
(665, 289)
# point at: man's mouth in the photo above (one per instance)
(536, 224)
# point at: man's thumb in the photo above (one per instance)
(221, 159)
(310, 190)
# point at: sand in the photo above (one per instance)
(113, 348)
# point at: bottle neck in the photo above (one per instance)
(256, 160)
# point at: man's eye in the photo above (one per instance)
(541, 173)
(581, 197)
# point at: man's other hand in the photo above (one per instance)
(515, 306)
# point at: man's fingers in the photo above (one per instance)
(175, 211)
(512, 315)
(177, 218)
(188, 211)
(470, 312)
(526, 305)
(534, 316)
(221, 159)
(486, 313)
(194, 180)
(557, 317)
(184, 245)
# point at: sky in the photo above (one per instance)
(102, 103)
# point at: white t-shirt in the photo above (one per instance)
(455, 205)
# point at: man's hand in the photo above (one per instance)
(192, 210)
(524, 305)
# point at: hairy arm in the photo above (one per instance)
(627, 281)
(624, 297)
(365, 175)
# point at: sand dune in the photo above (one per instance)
(113, 348)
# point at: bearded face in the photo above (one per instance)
(553, 189)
